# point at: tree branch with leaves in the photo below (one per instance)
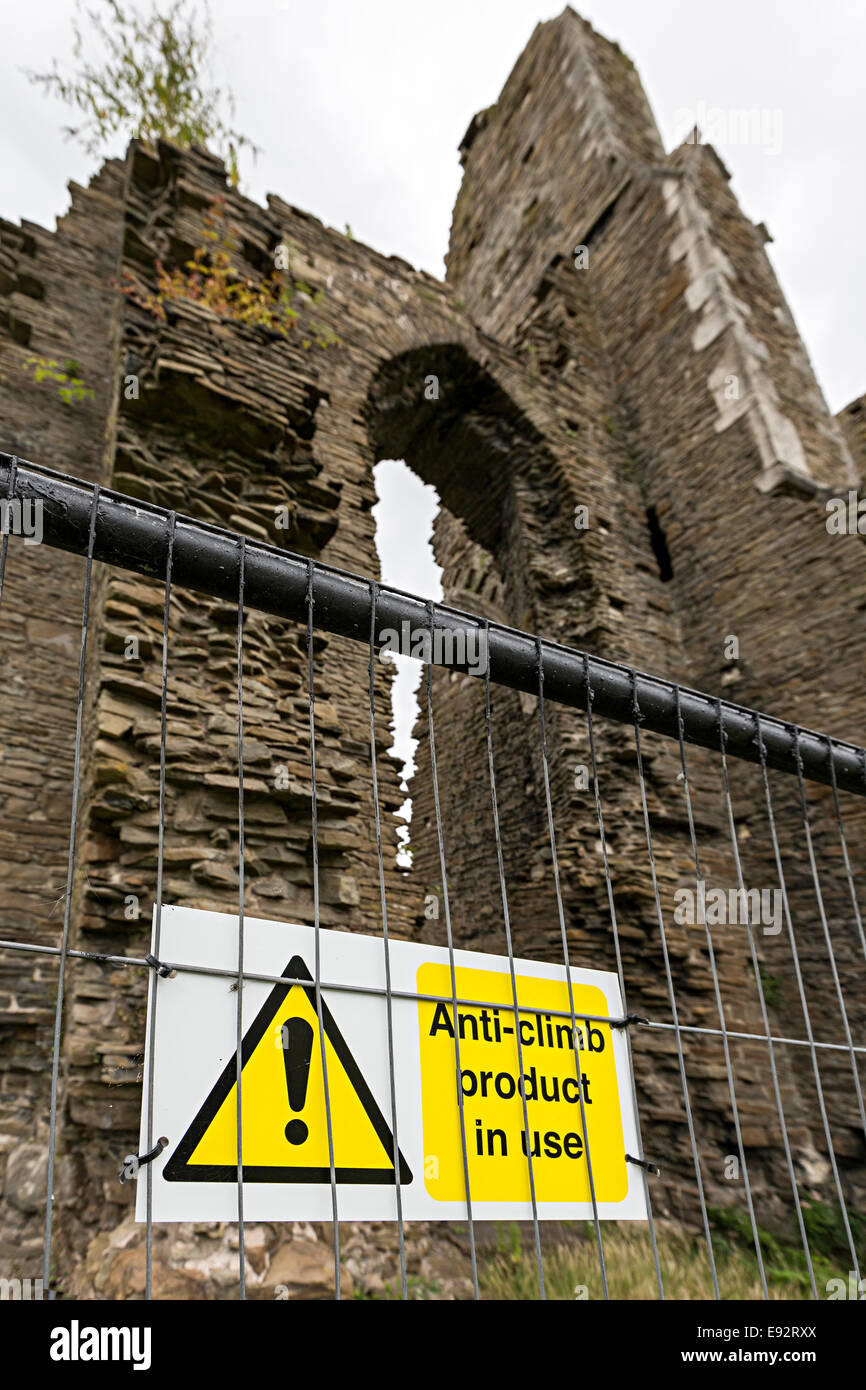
(150, 82)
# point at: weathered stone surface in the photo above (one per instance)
(116, 1269)
(559, 387)
(304, 1268)
(26, 1177)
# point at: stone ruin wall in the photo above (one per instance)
(558, 388)
(683, 296)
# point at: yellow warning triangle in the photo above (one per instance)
(284, 1115)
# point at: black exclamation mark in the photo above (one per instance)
(297, 1051)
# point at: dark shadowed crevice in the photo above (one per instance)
(660, 546)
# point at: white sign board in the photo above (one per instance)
(286, 1152)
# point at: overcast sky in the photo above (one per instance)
(359, 106)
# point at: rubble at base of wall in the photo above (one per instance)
(200, 1262)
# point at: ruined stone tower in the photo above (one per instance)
(610, 335)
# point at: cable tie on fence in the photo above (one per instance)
(539, 661)
(101, 956)
(637, 715)
(642, 1163)
(795, 739)
(133, 1162)
(161, 968)
(629, 1019)
(723, 734)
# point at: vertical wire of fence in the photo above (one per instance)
(590, 696)
(720, 1008)
(693, 1143)
(157, 925)
(512, 973)
(317, 928)
(450, 938)
(242, 1286)
(4, 545)
(828, 940)
(576, 1037)
(801, 990)
(765, 1020)
(389, 1018)
(67, 906)
(843, 841)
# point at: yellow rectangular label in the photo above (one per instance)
(554, 1077)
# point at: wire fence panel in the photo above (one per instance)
(703, 852)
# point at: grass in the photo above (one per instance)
(418, 1289)
(508, 1270)
(572, 1271)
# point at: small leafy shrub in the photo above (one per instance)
(151, 80)
(211, 279)
(70, 383)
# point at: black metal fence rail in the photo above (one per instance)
(135, 535)
(178, 551)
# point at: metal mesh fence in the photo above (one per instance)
(809, 1081)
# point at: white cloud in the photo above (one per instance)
(359, 109)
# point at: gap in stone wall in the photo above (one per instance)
(404, 515)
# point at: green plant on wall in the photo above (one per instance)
(770, 985)
(67, 378)
(211, 278)
(150, 81)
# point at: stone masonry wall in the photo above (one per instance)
(56, 302)
(659, 382)
(715, 425)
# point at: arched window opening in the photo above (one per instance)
(453, 454)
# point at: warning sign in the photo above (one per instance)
(283, 1112)
(303, 1066)
(566, 1091)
